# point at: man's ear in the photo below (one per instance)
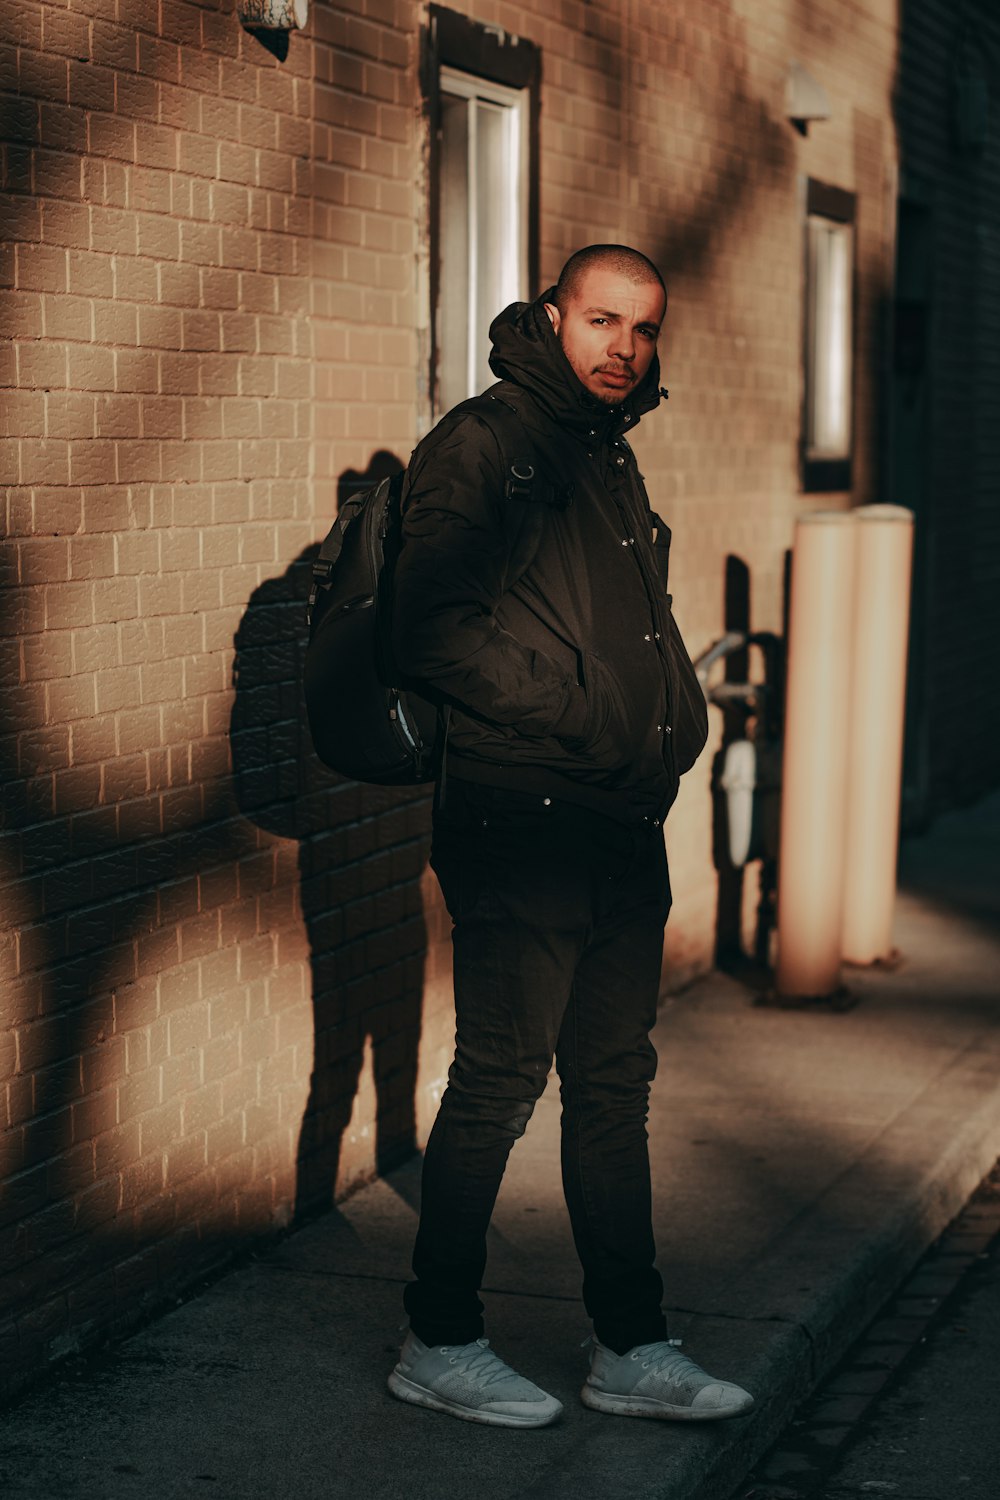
(553, 315)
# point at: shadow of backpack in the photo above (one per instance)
(367, 720)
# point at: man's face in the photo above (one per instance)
(608, 331)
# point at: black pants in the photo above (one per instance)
(558, 932)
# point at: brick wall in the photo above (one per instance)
(226, 972)
(955, 188)
(209, 320)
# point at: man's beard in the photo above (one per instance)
(605, 397)
(614, 397)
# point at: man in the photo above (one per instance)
(540, 616)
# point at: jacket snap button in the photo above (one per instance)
(656, 822)
(619, 461)
(669, 729)
(657, 635)
(546, 801)
(624, 541)
(647, 637)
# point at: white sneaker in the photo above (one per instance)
(471, 1382)
(655, 1380)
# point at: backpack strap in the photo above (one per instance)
(522, 479)
(332, 544)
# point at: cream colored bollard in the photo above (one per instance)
(883, 563)
(815, 761)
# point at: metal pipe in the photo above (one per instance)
(731, 641)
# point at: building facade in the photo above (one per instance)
(242, 274)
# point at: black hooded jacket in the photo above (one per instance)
(545, 622)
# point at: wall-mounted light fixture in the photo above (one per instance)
(272, 21)
(805, 99)
(273, 15)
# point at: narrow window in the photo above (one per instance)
(829, 339)
(483, 242)
(482, 92)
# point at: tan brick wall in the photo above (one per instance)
(212, 313)
(208, 314)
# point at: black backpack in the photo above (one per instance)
(366, 720)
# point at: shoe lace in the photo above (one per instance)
(590, 1342)
(478, 1360)
(664, 1358)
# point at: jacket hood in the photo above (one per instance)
(527, 352)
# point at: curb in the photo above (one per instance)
(794, 1361)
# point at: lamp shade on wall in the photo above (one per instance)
(274, 15)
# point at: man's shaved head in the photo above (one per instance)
(607, 312)
(621, 259)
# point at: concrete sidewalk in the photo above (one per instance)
(802, 1162)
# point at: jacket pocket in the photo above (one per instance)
(605, 741)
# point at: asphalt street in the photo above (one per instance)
(932, 1432)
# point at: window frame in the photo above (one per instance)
(451, 41)
(839, 206)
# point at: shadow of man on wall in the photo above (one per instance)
(361, 852)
